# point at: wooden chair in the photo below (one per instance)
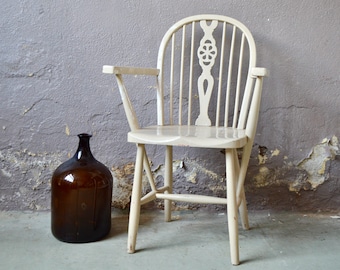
(208, 96)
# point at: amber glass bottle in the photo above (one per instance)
(81, 197)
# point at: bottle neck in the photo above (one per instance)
(84, 151)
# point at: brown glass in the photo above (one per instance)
(81, 197)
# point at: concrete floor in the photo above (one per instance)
(194, 240)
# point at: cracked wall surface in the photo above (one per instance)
(25, 179)
(316, 164)
(52, 88)
(310, 172)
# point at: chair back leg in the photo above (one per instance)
(168, 182)
(244, 211)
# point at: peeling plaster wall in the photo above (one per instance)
(52, 88)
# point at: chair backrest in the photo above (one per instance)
(205, 64)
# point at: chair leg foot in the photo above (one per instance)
(233, 235)
(131, 250)
(167, 210)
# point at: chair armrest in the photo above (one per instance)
(259, 72)
(130, 70)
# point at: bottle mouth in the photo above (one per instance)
(84, 135)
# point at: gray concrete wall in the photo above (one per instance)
(52, 88)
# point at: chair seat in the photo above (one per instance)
(192, 136)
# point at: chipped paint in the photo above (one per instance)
(315, 163)
(67, 130)
(190, 176)
(262, 159)
(261, 177)
(33, 189)
(198, 167)
(190, 170)
(6, 173)
(308, 174)
(262, 155)
(275, 152)
(122, 185)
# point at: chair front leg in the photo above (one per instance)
(135, 199)
(232, 206)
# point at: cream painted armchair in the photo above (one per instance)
(208, 96)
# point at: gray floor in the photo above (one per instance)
(194, 240)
